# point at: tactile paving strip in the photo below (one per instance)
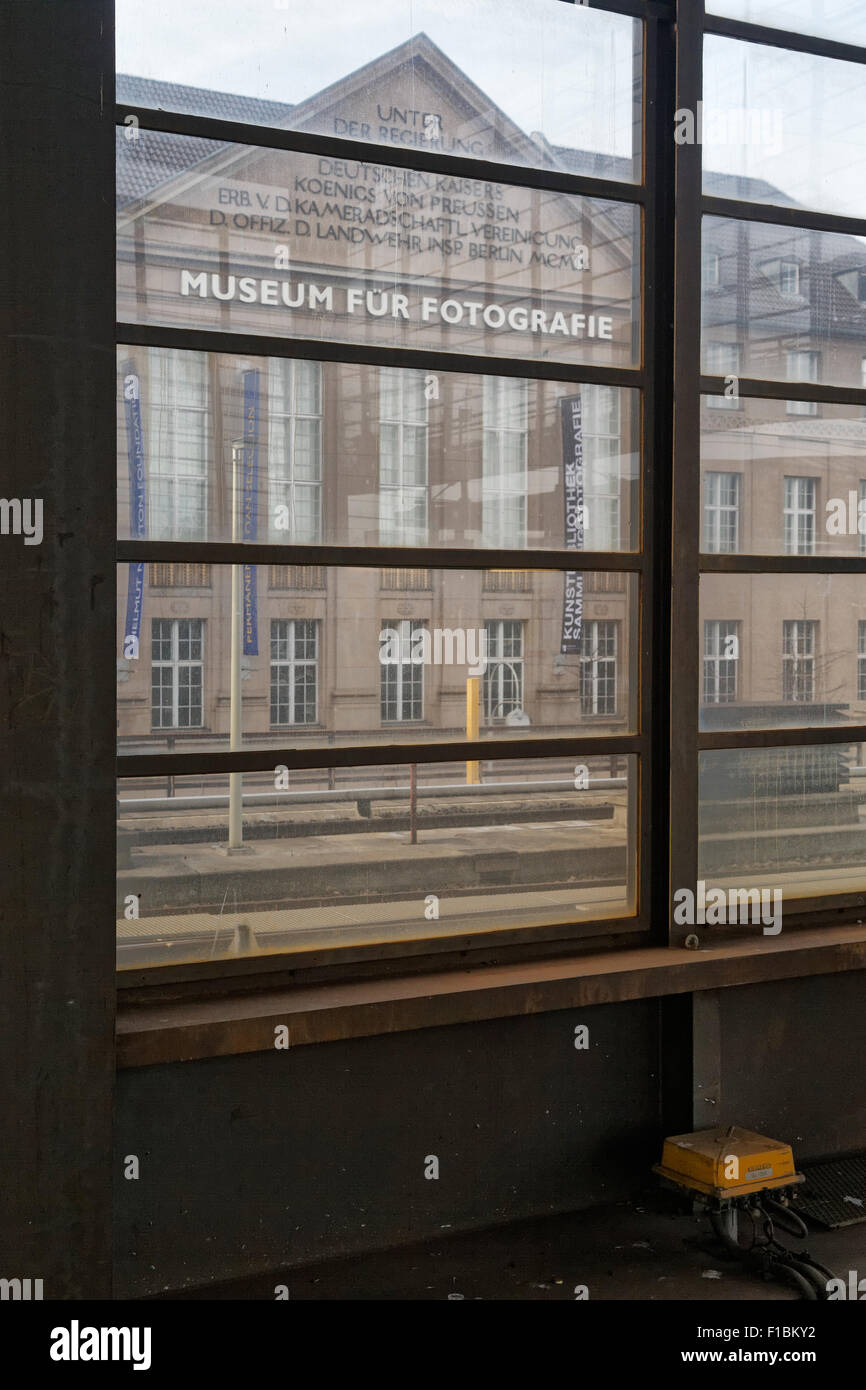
(834, 1193)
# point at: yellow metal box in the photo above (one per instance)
(727, 1162)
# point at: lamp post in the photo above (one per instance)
(236, 779)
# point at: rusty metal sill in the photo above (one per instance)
(226, 1026)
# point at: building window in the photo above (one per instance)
(507, 582)
(294, 670)
(504, 463)
(723, 359)
(861, 660)
(722, 513)
(179, 444)
(798, 661)
(402, 457)
(802, 366)
(721, 658)
(861, 286)
(402, 680)
(861, 513)
(177, 665)
(601, 455)
(503, 674)
(405, 578)
(789, 279)
(598, 643)
(298, 577)
(179, 576)
(709, 270)
(295, 451)
(800, 515)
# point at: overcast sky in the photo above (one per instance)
(558, 68)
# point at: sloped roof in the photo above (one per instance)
(145, 166)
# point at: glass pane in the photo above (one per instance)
(535, 84)
(770, 475)
(784, 127)
(521, 847)
(260, 241)
(755, 325)
(782, 649)
(783, 820)
(363, 471)
(539, 652)
(843, 20)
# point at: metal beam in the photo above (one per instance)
(57, 618)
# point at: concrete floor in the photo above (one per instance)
(646, 1250)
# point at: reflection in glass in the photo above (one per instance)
(787, 819)
(335, 656)
(816, 334)
(540, 85)
(355, 455)
(843, 20)
(293, 245)
(775, 484)
(781, 649)
(784, 127)
(350, 856)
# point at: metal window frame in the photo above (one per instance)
(655, 255)
(667, 743)
(690, 562)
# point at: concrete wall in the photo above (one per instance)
(259, 1162)
(265, 1160)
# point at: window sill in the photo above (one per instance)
(183, 1031)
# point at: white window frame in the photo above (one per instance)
(176, 665)
(786, 277)
(715, 510)
(795, 360)
(395, 524)
(599, 668)
(799, 643)
(291, 665)
(284, 489)
(723, 359)
(602, 451)
(800, 511)
(710, 270)
(171, 477)
(504, 400)
(504, 675)
(718, 664)
(407, 680)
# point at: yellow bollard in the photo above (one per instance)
(473, 722)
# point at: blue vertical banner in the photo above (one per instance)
(572, 479)
(137, 507)
(250, 504)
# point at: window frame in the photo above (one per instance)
(672, 204)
